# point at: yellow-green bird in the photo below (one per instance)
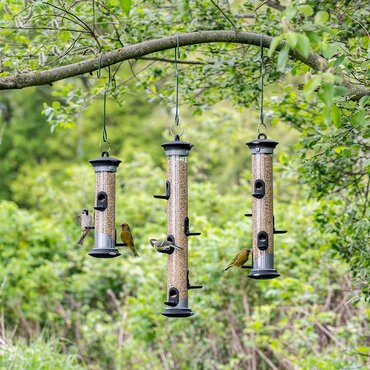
(240, 259)
(127, 238)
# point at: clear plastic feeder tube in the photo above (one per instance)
(177, 211)
(105, 207)
(262, 209)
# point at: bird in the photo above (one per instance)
(240, 259)
(85, 221)
(127, 238)
(163, 245)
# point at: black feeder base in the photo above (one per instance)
(104, 253)
(263, 274)
(178, 312)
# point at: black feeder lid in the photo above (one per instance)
(105, 161)
(262, 145)
(177, 147)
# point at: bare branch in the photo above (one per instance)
(136, 51)
(19, 81)
(272, 4)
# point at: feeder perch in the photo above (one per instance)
(277, 231)
(193, 286)
(105, 189)
(178, 227)
(262, 210)
(168, 192)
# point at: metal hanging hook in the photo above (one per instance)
(262, 117)
(177, 129)
(104, 145)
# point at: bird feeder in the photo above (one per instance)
(105, 234)
(178, 228)
(262, 209)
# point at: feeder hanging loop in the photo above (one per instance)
(262, 117)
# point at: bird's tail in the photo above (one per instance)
(81, 240)
(134, 251)
(227, 268)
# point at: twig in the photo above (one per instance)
(225, 15)
(264, 357)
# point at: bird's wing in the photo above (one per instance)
(85, 221)
(235, 259)
(127, 237)
(176, 246)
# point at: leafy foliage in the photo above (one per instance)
(108, 312)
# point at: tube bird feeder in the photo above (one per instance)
(105, 233)
(178, 228)
(262, 209)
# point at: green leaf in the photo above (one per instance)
(56, 105)
(330, 49)
(283, 58)
(364, 101)
(274, 44)
(358, 119)
(291, 38)
(303, 44)
(363, 349)
(327, 115)
(311, 85)
(337, 114)
(64, 36)
(326, 94)
(340, 90)
(339, 61)
(126, 5)
(306, 10)
(313, 36)
(290, 12)
(321, 17)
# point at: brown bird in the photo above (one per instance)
(85, 221)
(127, 238)
(240, 259)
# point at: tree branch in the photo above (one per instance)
(136, 51)
(34, 78)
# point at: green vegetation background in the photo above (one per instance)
(61, 309)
